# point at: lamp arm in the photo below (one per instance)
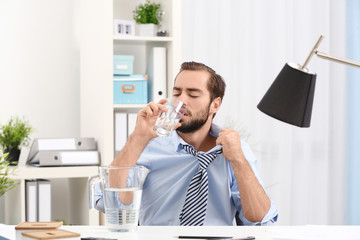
(337, 59)
(313, 51)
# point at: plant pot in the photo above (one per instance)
(148, 29)
(13, 157)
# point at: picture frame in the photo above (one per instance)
(124, 27)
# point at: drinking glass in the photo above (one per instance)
(167, 120)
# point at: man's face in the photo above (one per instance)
(191, 88)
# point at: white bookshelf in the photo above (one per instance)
(97, 49)
(98, 45)
(15, 199)
(141, 39)
(30, 172)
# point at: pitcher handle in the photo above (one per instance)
(91, 183)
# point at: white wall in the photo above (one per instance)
(39, 72)
(39, 65)
(248, 42)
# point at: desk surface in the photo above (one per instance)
(171, 233)
(309, 232)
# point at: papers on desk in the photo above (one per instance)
(318, 232)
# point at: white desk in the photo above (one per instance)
(310, 232)
(170, 233)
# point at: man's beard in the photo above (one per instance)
(195, 124)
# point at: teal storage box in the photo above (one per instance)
(130, 89)
(123, 64)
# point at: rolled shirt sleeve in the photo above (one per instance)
(269, 219)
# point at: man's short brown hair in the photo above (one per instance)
(216, 84)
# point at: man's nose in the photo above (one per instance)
(182, 98)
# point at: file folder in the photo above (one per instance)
(120, 131)
(59, 144)
(44, 200)
(65, 158)
(156, 69)
(31, 200)
(132, 117)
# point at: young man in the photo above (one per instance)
(228, 183)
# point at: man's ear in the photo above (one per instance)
(215, 105)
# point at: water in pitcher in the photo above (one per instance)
(122, 208)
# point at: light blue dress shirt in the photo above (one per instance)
(171, 170)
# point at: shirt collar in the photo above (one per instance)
(177, 140)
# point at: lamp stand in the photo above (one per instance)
(327, 56)
(313, 51)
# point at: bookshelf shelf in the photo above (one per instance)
(30, 172)
(128, 106)
(77, 177)
(135, 39)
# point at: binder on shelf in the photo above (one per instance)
(44, 200)
(53, 144)
(38, 200)
(120, 131)
(31, 196)
(156, 69)
(131, 123)
(65, 158)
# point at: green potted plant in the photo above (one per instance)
(146, 17)
(6, 183)
(14, 135)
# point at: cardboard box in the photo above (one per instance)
(123, 64)
(130, 89)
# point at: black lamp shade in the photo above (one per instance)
(290, 97)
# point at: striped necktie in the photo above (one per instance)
(194, 209)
